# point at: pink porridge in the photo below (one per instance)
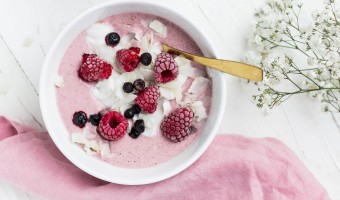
(189, 88)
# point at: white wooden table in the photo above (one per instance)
(28, 28)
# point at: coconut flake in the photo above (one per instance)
(176, 86)
(166, 107)
(81, 139)
(185, 68)
(148, 74)
(199, 110)
(197, 87)
(59, 81)
(166, 93)
(104, 148)
(158, 27)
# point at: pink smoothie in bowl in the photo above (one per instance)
(191, 88)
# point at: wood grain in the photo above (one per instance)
(27, 34)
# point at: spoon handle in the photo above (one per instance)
(238, 69)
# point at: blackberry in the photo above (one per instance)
(128, 87)
(95, 119)
(137, 129)
(134, 133)
(139, 84)
(129, 113)
(112, 39)
(139, 125)
(136, 109)
(145, 59)
(79, 119)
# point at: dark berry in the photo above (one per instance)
(139, 84)
(112, 39)
(139, 126)
(134, 133)
(128, 87)
(95, 119)
(136, 109)
(79, 119)
(145, 59)
(135, 49)
(129, 113)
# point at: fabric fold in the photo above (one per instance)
(233, 167)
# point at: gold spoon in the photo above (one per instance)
(238, 69)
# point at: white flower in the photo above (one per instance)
(253, 58)
(315, 15)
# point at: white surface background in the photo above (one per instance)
(28, 28)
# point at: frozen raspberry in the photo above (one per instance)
(177, 125)
(147, 99)
(166, 69)
(128, 58)
(112, 126)
(135, 49)
(93, 69)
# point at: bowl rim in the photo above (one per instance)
(44, 108)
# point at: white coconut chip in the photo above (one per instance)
(158, 27)
(199, 110)
(59, 81)
(88, 134)
(195, 89)
(81, 139)
(138, 33)
(148, 75)
(166, 107)
(185, 68)
(166, 93)
(182, 61)
(105, 150)
(175, 86)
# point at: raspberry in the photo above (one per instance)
(147, 99)
(93, 69)
(128, 58)
(177, 125)
(112, 126)
(135, 49)
(166, 69)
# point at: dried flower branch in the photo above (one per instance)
(278, 34)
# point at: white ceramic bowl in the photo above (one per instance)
(99, 168)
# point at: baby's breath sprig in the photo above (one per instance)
(278, 34)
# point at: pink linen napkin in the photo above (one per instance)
(233, 167)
